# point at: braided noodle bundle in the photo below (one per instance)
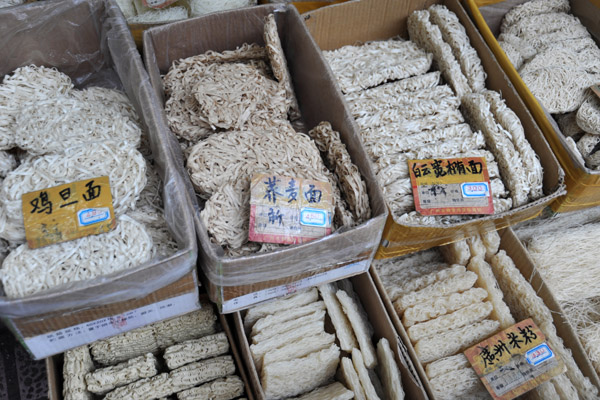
(125, 167)
(27, 271)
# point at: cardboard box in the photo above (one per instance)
(89, 41)
(367, 292)
(233, 282)
(55, 377)
(361, 21)
(515, 250)
(583, 184)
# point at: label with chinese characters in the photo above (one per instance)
(289, 210)
(68, 212)
(451, 186)
(515, 360)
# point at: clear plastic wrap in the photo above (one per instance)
(91, 43)
(319, 101)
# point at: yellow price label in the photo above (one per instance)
(68, 212)
(514, 361)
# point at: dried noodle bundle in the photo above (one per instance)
(125, 167)
(26, 271)
(25, 86)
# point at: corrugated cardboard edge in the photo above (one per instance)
(360, 21)
(302, 47)
(578, 176)
(54, 366)
(513, 247)
(383, 327)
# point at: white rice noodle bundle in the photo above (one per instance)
(382, 126)
(539, 24)
(453, 33)
(27, 85)
(125, 167)
(560, 89)
(584, 317)
(368, 65)
(512, 53)
(588, 115)
(477, 111)
(588, 145)
(533, 7)
(512, 124)
(524, 47)
(50, 126)
(415, 84)
(567, 32)
(26, 271)
(202, 7)
(169, 14)
(586, 60)
(413, 104)
(429, 37)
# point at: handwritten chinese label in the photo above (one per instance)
(68, 212)
(451, 186)
(289, 210)
(514, 361)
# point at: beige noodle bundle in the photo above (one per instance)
(533, 7)
(588, 115)
(27, 271)
(362, 67)
(50, 126)
(27, 85)
(125, 167)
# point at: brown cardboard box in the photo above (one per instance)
(89, 41)
(583, 184)
(55, 377)
(367, 292)
(515, 250)
(361, 21)
(233, 282)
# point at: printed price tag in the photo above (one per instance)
(514, 361)
(68, 212)
(451, 186)
(289, 210)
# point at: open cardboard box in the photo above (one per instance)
(365, 20)
(367, 292)
(515, 250)
(90, 42)
(583, 184)
(237, 283)
(55, 376)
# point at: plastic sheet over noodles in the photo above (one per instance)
(319, 100)
(90, 41)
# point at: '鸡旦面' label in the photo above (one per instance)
(289, 210)
(68, 212)
(451, 186)
(514, 361)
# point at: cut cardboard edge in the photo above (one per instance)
(383, 327)
(515, 250)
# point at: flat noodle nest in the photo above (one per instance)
(124, 166)
(232, 95)
(231, 117)
(26, 271)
